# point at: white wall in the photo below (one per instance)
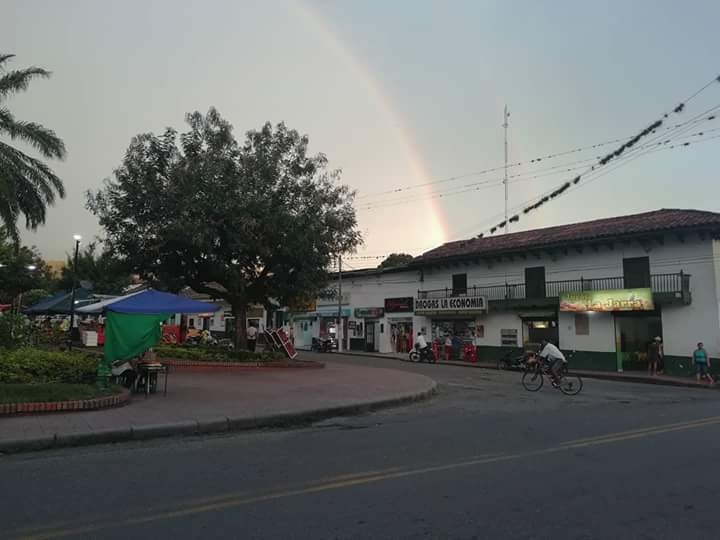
(496, 321)
(601, 337)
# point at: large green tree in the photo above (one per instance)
(247, 223)
(102, 272)
(22, 269)
(27, 184)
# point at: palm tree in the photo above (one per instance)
(27, 185)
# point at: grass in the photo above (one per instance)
(32, 393)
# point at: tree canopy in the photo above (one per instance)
(247, 223)
(27, 184)
(22, 269)
(100, 271)
(396, 259)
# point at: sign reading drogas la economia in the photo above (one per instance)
(453, 304)
(617, 300)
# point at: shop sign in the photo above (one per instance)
(369, 313)
(352, 324)
(332, 299)
(613, 300)
(394, 305)
(453, 304)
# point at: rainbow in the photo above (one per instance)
(435, 226)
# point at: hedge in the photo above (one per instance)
(214, 354)
(35, 366)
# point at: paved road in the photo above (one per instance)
(483, 460)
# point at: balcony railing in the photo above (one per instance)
(660, 284)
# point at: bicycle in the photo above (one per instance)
(534, 377)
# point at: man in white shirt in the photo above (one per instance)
(554, 358)
(421, 343)
(252, 337)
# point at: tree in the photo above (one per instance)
(396, 259)
(103, 273)
(244, 223)
(27, 185)
(21, 270)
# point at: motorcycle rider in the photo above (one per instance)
(422, 346)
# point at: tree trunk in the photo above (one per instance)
(239, 310)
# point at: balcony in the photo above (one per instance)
(667, 289)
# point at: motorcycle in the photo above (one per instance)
(422, 355)
(324, 345)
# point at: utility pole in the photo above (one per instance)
(338, 331)
(77, 239)
(506, 115)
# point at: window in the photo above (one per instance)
(636, 272)
(582, 324)
(459, 284)
(535, 282)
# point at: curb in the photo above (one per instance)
(94, 404)
(609, 376)
(194, 366)
(212, 426)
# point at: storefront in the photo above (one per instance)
(454, 318)
(635, 318)
(328, 324)
(372, 328)
(539, 326)
(398, 313)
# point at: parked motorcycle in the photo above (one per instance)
(324, 345)
(124, 372)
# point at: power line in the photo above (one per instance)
(520, 177)
(502, 167)
(612, 156)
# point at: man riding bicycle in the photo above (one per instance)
(554, 359)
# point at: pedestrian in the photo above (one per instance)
(701, 361)
(661, 358)
(291, 335)
(654, 356)
(252, 337)
(448, 347)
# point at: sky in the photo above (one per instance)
(397, 94)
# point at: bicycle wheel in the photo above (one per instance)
(532, 380)
(570, 385)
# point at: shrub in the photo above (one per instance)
(215, 354)
(36, 366)
(15, 331)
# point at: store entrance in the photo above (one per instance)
(370, 336)
(539, 329)
(634, 331)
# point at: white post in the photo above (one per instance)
(338, 328)
(506, 115)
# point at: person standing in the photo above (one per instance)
(252, 337)
(654, 356)
(701, 361)
(448, 347)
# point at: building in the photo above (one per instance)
(602, 288)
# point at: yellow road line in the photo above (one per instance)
(345, 481)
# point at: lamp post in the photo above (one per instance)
(77, 239)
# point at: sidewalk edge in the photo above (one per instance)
(218, 425)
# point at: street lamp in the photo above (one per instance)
(77, 239)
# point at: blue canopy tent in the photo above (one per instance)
(133, 323)
(59, 303)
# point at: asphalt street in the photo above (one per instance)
(484, 459)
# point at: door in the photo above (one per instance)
(636, 272)
(370, 336)
(535, 282)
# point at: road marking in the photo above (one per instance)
(226, 501)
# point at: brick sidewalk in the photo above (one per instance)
(198, 403)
